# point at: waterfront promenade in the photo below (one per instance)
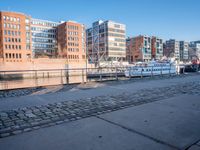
(146, 114)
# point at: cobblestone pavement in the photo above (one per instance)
(31, 118)
(18, 92)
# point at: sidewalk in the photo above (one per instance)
(144, 115)
(163, 125)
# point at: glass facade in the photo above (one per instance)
(44, 38)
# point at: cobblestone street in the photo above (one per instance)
(30, 118)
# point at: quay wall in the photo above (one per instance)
(43, 63)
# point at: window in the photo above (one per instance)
(19, 46)
(18, 26)
(4, 17)
(4, 25)
(20, 56)
(15, 19)
(27, 21)
(6, 55)
(5, 32)
(18, 19)
(28, 47)
(8, 18)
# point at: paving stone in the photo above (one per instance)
(59, 122)
(194, 147)
(30, 115)
(5, 130)
(4, 135)
(17, 132)
(27, 129)
(198, 143)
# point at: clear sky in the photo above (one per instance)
(179, 19)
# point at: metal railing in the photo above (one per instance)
(36, 78)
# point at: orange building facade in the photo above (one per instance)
(15, 37)
(71, 41)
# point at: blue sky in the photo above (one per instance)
(179, 19)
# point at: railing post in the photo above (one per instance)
(116, 73)
(130, 73)
(82, 75)
(142, 73)
(100, 74)
(36, 81)
(86, 76)
(152, 72)
(61, 76)
(161, 70)
(67, 76)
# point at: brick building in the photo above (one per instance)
(71, 41)
(139, 48)
(15, 37)
(157, 48)
(23, 38)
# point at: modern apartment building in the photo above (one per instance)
(15, 37)
(139, 48)
(157, 48)
(71, 41)
(44, 38)
(129, 52)
(172, 49)
(194, 50)
(106, 41)
(184, 51)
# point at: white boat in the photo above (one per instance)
(151, 69)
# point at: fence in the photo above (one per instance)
(36, 78)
